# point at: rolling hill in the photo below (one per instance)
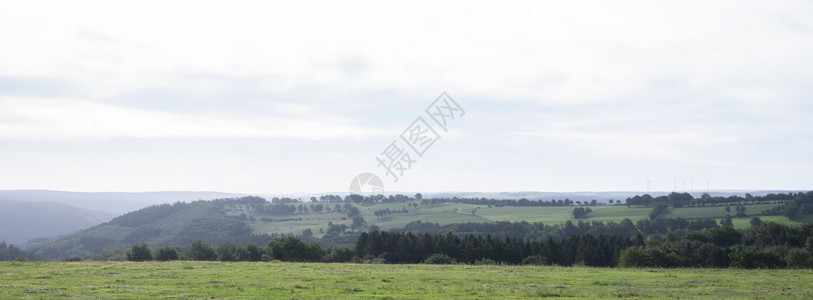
(166, 224)
(253, 219)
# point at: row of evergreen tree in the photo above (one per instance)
(768, 245)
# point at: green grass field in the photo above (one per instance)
(462, 213)
(353, 281)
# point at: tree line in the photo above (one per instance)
(523, 202)
(400, 198)
(540, 231)
(801, 204)
(285, 248)
(764, 245)
(687, 200)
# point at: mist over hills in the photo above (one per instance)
(33, 214)
(115, 203)
(599, 196)
(23, 221)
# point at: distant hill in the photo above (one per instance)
(167, 224)
(602, 197)
(335, 222)
(23, 221)
(113, 203)
(117, 203)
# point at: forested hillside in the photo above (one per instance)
(331, 220)
(168, 224)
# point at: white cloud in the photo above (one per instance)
(23, 119)
(594, 50)
(681, 147)
(720, 84)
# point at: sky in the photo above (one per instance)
(303, 96)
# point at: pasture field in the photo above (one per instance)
(463, 213)
(553, 215)
(92, 280)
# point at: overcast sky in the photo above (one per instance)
(282, 98)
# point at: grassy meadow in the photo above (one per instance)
(463, 213)
(359, 281)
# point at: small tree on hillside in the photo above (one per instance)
(358, 222)
(741, 211)
(227, 252)
(726, 222)
(581, 213)
(254, 252)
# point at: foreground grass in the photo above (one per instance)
(300, 280)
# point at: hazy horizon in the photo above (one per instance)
(410, 193)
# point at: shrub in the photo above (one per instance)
(166, 254)
(289, 248)
(439, 259)
(254, 252)
(632, 257)
(339, 254)
(228, 252)
(535, 260)
(372, 259)
(798, 258)
(725, 236)
(749, 258)
(649, 257)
